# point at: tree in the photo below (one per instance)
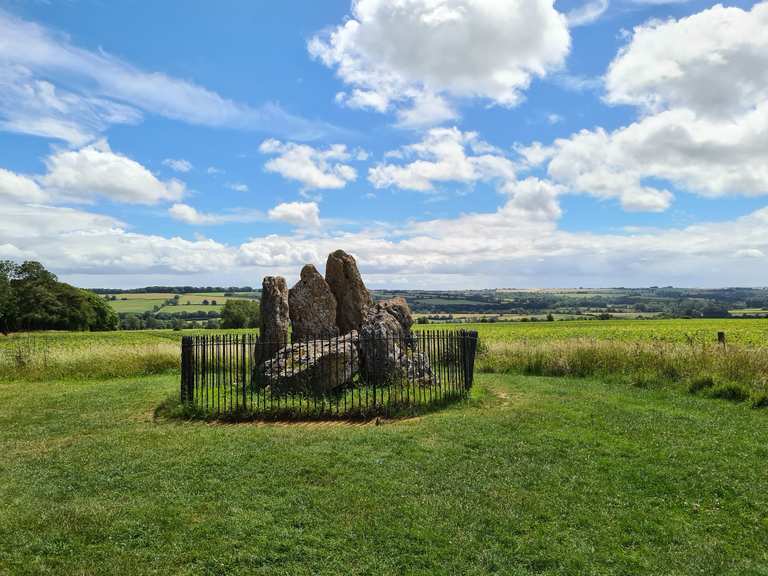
(240, 314)
(31, 298)
(7, 304)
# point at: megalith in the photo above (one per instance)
(274, 313)
(346, 284)
(312, 307)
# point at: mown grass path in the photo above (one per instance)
(532, 476)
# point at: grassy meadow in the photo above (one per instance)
(596, 447)
(531, 476)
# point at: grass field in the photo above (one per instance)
(191, 302)
(136, 305)
(648, 349)
(191, 308)
(532, 476)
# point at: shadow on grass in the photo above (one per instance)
(172, 408)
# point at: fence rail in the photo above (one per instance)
(350, 376)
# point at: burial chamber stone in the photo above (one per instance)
(346, 284)
(274, 313)
(312, 366)
(386, 345)
(312, 307)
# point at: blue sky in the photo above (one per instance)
(445, 143)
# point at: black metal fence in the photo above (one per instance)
(240, 375)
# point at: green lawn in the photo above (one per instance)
(532, 476)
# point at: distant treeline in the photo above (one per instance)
(31, 298)
(173, 290)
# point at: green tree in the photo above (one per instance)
(240, 314)
(31, 298)
(7, 302)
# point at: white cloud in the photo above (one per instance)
(178, 165)
(103, 90)
(702, 87)
(20, 188)
(714, 63)
(95, 171)
(587, 13)
(315, 168)
(212, 170)
(237, 186)
(444, 155)
(517, 245)
(554, 118)
(414, 53)
(32, 106)
(190, 215)
(301, 214)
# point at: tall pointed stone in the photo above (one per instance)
(312, 307)
(352, 297)
(274, 312)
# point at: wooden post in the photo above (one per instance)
(721, 338)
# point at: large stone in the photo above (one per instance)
(274, 313)
(312, 307)
(312, 366)
(385, 337)
(352, 297)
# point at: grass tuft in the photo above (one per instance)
(730, 391)
(699, 383)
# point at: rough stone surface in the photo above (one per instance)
(312, 366)
(419, 370)
(312, 307)
(384, 339)
(352, 297)
(274, 312)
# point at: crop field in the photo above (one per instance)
(190, 303)
(136, 305)
(189, 308)
(751, 331)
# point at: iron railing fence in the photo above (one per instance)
(240, 375)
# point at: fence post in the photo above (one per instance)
(470, 346)
(187, 375)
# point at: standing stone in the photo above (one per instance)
(274, 313)
(312, 307)
(311, 366)
(352, 297)
(384, 339)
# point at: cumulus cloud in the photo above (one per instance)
(178, 165)
(300, 214)
(53, 88)
(95, 171)
(517, 245)
(411, 55)
(714, 63)
(701, 87)
(190, 215)
(315, 168)
(443, 155)
(20, 188)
